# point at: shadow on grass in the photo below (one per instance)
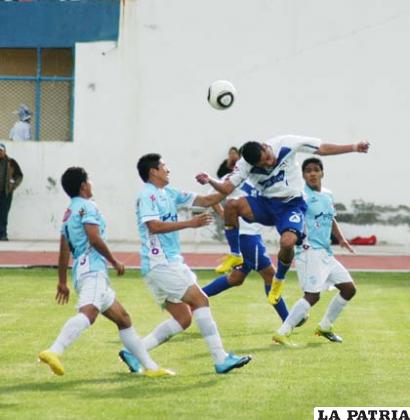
(128, 386)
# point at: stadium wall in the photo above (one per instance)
(318, 68)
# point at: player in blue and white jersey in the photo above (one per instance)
(317, 268)
(254, 255)
(170, 280)
(272, 168)
(83, 233)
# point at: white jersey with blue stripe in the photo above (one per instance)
(318, 219)
(284, 179)
(83, 211)
(159, 204)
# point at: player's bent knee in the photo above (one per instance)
(348, 291)
(312, 298)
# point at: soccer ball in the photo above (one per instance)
(221, 94)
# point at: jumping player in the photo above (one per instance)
(272, 168)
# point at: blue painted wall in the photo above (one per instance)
(54, 23)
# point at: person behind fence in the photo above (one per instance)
(10, 178)
(21, 130)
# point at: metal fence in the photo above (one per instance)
(43, 80)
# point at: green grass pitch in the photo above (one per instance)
(371, 367)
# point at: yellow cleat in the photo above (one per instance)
(53, 360)
(283, 340)
(229, 261)
(159, 373)
(276, 291)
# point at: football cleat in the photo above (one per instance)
(232, 362)
(131, 361)
(329, 334)
(276, 291)
(283, 340)
(159, 373)
(229, 261)
(53, 361)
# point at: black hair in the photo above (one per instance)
(72, 179)
(314, 160)
(147, 162)
(234, 149)
(251, 152)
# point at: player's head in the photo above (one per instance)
(233, 155)
(75, 182)
(258, 154)
(152, 168)
(312, 170)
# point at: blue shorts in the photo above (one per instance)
(284, 215)
(254, 254)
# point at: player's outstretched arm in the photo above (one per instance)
(93, 234)
(157, 226)
(208, 200)
(63, 292)
(337, 149)
(223, 187)
(337, 232)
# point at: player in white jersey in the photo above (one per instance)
(83, 233)
(272, 168)
(171, 281)
(317, 268)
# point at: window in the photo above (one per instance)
(43, 80)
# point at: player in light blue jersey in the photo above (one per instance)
(83, 233)
(171, 281)
(316, 266)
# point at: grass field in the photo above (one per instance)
(371, 367)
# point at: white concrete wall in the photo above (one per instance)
(336, 70)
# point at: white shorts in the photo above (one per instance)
(94, 289)
(169, 282)
(318, 271)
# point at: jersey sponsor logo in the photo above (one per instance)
(169, 216)
(67, 215)
(82, 212)
(295, 218)
(273, 180)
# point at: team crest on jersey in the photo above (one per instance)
(295, 218)
(67, 215)
(152, 197)
(82, 212)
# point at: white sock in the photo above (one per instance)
(135, 345)
(161, 333)
(297, 313)
(336, 306)
(70, 332)
(209, 331)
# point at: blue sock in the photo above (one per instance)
(217, 286)
(232, 236)
(281, 270)
(280, 307)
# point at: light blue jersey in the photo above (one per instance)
(86, 259)
(318, 219)
(159, 204)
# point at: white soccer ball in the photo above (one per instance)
(221, 94)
